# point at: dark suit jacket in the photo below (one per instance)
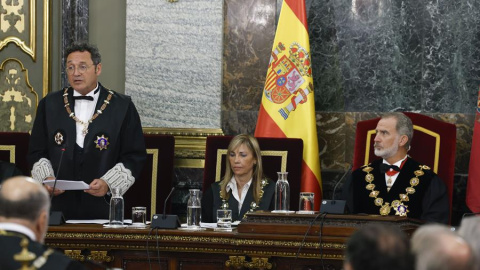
(211, 202)
(10, 245)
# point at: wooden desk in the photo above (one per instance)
(263, 241)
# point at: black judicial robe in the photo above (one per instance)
(10, 245)
(428, 203)
(119, 122)
(211, 202)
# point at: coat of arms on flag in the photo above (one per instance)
(285, 77)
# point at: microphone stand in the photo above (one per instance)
(56, 217)
(165, 221)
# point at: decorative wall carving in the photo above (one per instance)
(17, 24)
(18, 99)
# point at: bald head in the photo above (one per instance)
(437, 247)
(23, 198)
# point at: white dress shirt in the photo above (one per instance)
(393, 177)
(232, 185)
(84, 110)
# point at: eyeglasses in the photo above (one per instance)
(81, 69)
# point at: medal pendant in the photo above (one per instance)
(385, 209)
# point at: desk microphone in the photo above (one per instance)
(56, 217)
(165, 221)
(335, 206)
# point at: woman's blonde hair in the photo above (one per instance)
(252, 144)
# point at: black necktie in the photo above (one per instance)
(385, 168)
(83, 98)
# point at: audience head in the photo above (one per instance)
(394, 135)
(244, 161)
(377, 247)
(26, 202)
(470, 231)
(436, 247)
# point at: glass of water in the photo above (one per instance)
(139, 216)
(306, 203)
(224, 220)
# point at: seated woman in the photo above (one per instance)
(243, 188)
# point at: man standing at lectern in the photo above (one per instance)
(88, 133)
(397, 184)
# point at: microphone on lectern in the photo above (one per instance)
(56, 217)
(165, 221)
(335, 206)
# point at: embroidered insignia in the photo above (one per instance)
(101, 142)
(58, 138)
(401, 210)
(287, 79)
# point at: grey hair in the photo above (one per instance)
(404, 125)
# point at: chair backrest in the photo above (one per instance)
(278, 155)
(155, 182)
(14, 149)
(433, 144)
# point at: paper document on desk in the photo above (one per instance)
(67, 184)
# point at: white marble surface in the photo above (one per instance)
(174, 62)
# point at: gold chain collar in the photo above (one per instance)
(253, 205)
(97, 113)
(397, 205)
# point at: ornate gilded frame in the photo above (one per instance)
(189, 144)
(28, 49)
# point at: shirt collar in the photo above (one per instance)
(92, 93)
(398, 163)
(233, 184)
(14, 227)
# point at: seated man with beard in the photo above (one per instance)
(397, 184)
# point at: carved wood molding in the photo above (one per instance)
(189, 144)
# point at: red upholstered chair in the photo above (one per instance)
(156, 179)
(14, 149)
(433, 144)
(278, 154)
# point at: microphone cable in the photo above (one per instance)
(158, 248)
(306, 233)
(148, 253)
(322, 221)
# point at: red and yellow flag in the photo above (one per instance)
(288, 106)
(473, 184)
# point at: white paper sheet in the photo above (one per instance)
(67, 184)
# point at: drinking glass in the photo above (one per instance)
(224, 220)
(306, 203)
